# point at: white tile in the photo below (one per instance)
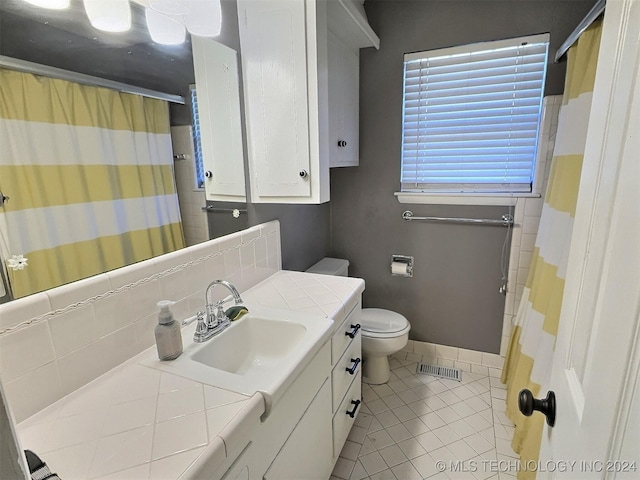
(462, 450)
(393, 401)
(219, 417)
(87, 363)
(444, 351)
(179, 434)
(412, 448)
(122, 451)
(448, 415)
(425, 465)
(446, 434)
(363, 420)
(179, 403)
(492, 360)
(112, 313)
(462, 428)
(503, 447)
(374, 425)
(479, 443)
(138, 472)
(34, 391)
(470, 356)
(172, 467)
(350, 450)
(70, 462)
(429, 441)
(358, 472)
(14, 360)
(406, 471)
(172, 383)
(383, 390)
(343, 468)
(380, 439)
(357, 434)
(77, 291)
(377, 406)
(404, 413)
(424, 348)
(399, 433)
(373, 463)
(73, 329)
(432, 420)
(392, 455)
(367, 447)
(383, 475)
(23, 309)
(130, 415)
(75, 430)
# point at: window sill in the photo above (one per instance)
(490, 199)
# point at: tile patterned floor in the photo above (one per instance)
(407, 426)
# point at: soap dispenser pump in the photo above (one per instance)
(168, 335)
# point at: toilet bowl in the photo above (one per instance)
(383, 332)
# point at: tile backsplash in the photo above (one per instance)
(54, 342)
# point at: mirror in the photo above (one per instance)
(65, 39)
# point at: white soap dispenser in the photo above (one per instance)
(168, 335)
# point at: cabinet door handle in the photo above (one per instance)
(356, 404)
(208, 174)
(353, 332)
(303, 173)
(342, 143)
(352, 370)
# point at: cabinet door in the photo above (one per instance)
(274, 60)
(217, 90)
(344, 89)
(307, 453)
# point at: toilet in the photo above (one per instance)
(383, 332)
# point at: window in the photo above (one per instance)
(197, 143)
(471, 117)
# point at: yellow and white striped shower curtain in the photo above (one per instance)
(528, 363)
(89, 176)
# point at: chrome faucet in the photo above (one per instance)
(215, 320)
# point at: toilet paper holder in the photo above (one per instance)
(401, 266)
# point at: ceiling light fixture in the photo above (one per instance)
(109, 15)
(164, 29)
(50, 4)
(204, 18)
(169, 7)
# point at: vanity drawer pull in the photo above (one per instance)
(356, 404)
(353, 332)
(352, 370)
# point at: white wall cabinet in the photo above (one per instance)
(218, 92)
(300, 67)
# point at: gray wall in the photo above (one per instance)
(453, 297)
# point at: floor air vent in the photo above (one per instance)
(442, 372)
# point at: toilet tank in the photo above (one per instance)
(331, 266)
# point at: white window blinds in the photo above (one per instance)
(471, 116)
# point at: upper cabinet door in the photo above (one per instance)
(344, 90)
(274, 59)
(218, 93)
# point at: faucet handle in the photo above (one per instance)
(201, 328)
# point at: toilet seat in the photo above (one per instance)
(381, 323)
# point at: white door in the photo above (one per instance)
(595, 373)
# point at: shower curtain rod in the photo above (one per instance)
(594, 13)
(53, 72)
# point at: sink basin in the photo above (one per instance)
(263, 351)
(254, 343)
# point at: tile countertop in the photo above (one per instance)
(136, 422)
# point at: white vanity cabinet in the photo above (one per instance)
(300, 67)
(346, 377)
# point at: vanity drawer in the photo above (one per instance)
(342, 337)
(342, 420)
(346, 370)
